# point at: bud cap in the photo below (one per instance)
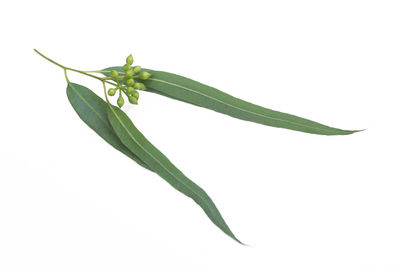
(129, 73)
(129, 60)
(133, 100)
(111, 91)
(120, 101)
(144, 75)
(137, 69)
(130, 82)
(114, 74)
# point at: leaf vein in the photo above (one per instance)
(244, 110)
(151, 155)
(90, 106)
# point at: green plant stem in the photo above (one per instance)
(105, 92)
(75, 70)
(66, 76)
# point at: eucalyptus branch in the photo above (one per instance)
(75, 70)
(127, 83)
(116, 128)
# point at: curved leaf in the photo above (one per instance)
(93, 111)
(190, 91)
(135, 141)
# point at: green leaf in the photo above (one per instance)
(190, 91)
(135, 141)
(93, 111)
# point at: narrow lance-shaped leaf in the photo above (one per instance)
(137, 143)
(190, 91)
(93, 111)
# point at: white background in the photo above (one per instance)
(69, 199)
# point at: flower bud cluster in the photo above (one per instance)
(128, 82)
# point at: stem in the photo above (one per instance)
(66, 76)
(71, 69)
(52, 61)
(105, 92)
(125, 92)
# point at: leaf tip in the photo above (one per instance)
(354, 131)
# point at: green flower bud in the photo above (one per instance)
(126, 67)
(130, 82)
(132, 100)
(114, 74)
(129, 60)
(137, 86)
(130, 90)
(111, 91)
(120, 101)
(129, 73)
(135, 94)
(144, 75)
(137, 69)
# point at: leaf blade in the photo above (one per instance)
(196, 93)
(93, 111)
(202, 95)
(132, 138)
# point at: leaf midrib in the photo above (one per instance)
(151, 155)
(244, 110)
(90, 106)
